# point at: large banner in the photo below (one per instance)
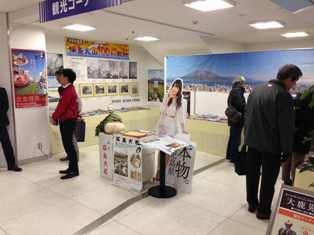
(215, 72)
(294, 213)
(210, 76)
(78, 47)
(30, 78)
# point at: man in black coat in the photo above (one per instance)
(236, 100)
(269, 129)
(4, 136)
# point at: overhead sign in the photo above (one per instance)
(57, 9)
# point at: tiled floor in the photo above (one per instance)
(37, 202)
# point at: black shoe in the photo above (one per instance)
(69, 175)
(263, 216)
(15, 168)
(64, 159)
(64, 171)
(252, 208)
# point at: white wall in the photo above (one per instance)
(56, 44)
(31, 123)
(288, 44)
(5, 78)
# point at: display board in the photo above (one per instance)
(211, 76)
(106, 146)
(54, 63)
(30, 78)
(128, 163)
(294, 213)
(156, 87)
(85, 48)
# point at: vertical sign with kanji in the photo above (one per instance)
(294, 213)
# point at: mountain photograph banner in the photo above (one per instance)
(215, 72)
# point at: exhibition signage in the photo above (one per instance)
(30, 78)
(57, 9)
(85, 48)
(294, 213)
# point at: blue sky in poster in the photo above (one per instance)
(36, 62)
(254, 65)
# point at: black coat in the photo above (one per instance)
(269, 123)
(304, 124)
(236, 99)
(4, 107)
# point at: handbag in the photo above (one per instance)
(240, 163)
(79, 130)
(233, 115)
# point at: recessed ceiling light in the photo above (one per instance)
(267, 25)
(295, 35)
(209, 5)
(147, 39)
(79, 27)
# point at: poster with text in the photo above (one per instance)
(85, 48)
(30, 78)
(128, 163)
(294, 213)
(156, 85)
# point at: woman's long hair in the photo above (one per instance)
(179, 84)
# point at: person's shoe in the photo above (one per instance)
(252, 208)
(64, 171)
(64, 159)
(263, 216)
(15, 168)
(69, 175)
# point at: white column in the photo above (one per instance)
(31, 123)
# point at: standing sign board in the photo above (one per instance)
(106, 155)
(128, 163)
(294, 213)
(57, 9)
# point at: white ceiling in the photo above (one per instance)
(170, 21)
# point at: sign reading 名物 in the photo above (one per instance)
(57, 9)
(294, 213)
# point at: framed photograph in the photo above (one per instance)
(124, 70)
(54, 63)
(100, 89)
(133, 70)
(134, 91)
(114, 69)
(124, 89)
(113, 89)
(86, 90)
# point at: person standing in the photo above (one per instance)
(304, 116)
(4, 135)
(66, 158)
(66, 115)
(172, 115)
(269, 128)
(236, 101)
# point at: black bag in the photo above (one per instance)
(240, 163)
(234, 116)
(79, 130)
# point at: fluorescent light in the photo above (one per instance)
(209, 5)
(79, 27)
(295, 35)
(146, 39)
(267, 25)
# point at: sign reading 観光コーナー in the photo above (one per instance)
(57, 9)
(78, 47)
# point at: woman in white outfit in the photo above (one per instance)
(172, 116)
